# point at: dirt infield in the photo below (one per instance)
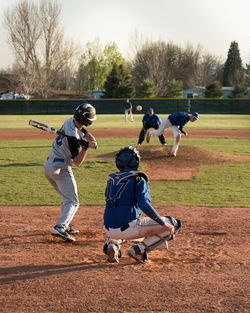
(184, 166)
(22, 134)
(206, 268)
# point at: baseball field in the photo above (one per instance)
(207, 187)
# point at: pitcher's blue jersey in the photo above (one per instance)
(179, 119)
(126, 196)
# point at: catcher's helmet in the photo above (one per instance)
(85, 114)
(127, 158)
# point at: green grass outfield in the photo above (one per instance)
(23, 183)
(206, 121)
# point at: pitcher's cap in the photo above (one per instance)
(196, 115)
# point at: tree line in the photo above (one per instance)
(46, 61)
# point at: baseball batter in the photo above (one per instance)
(58, 167)
(127, 194)
(176, 121)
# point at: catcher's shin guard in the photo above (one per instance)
(164, 239)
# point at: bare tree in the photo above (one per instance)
(150, 63)
(38, 42)
(209, 69)
(162, 62)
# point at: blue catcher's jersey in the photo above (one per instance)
(151, 121)
(179, 119)
(123, 192)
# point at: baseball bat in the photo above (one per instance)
(46, 128)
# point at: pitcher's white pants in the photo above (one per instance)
(166, 124)
(143, 229)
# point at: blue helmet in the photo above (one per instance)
(128, 158)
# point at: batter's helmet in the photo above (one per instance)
(127, 158)
(85, 114)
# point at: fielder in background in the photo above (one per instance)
(127, 194)
(150, 120)
(58, 167)
(128, 110)
(176, 121)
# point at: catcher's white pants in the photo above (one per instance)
(62, 179)
(166, 124)
(143, 229)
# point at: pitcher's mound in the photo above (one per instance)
(183, 166)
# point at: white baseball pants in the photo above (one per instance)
(166, 124)
(144, 229)
(62, 179)
(128, 112)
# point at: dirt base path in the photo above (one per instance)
(206, 268)
(21, 134)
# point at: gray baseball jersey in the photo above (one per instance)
(60, 148)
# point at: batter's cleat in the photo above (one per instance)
(113, 252)
(135, 253)
(71, 230)
(61, 232)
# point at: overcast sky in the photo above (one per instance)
(213, 24)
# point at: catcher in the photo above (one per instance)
(66, 151)
(127, 194)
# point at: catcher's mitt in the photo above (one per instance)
(177, 227)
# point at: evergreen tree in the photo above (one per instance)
(119, 83)
(147, 89)
(240, 91)
(214, 90)
(247, 74)
(174, 89)
(233, 69)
